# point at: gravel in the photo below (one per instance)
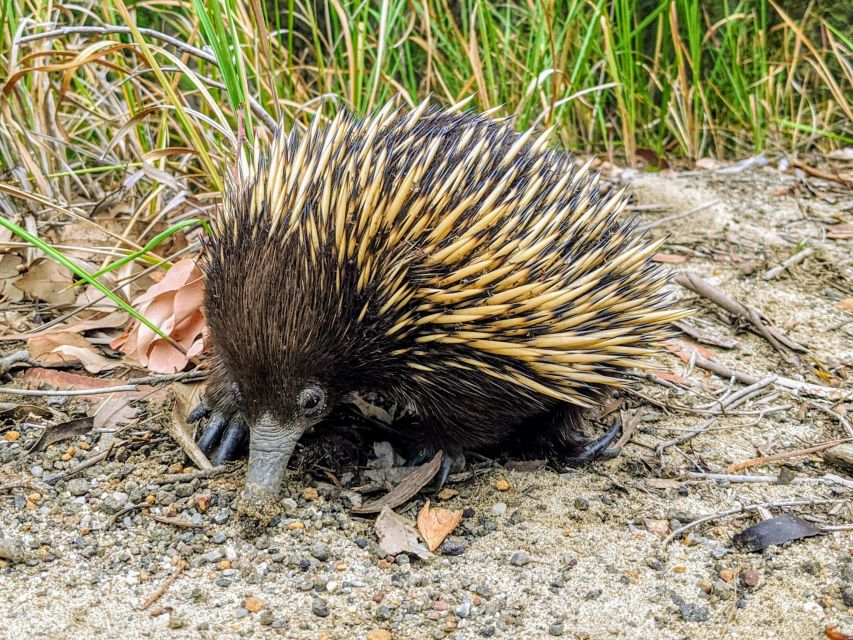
(535, 555)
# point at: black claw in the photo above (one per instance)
(232, 442)
(198, 412)
(597, 448)
(212, 432)
(443, 471)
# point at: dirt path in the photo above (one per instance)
(578, 554)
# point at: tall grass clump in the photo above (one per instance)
(144, 105)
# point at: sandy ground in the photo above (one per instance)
(593, 563)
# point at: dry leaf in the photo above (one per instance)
(436, 524)
(186, 397)
(49, 281)
(43, 348)
(684, 348)
(840, 231)
(662, 483)
(397, 535)
(833, 633)
(115, 410)
(669, 258)
(112, 320)
(175, 306)
(69, 348)
(846, 304)
(92, 361)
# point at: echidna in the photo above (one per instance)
(435, 256)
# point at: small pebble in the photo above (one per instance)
(254, 604)
(453, 547)
(499, 508)
(581, 504)
(502, 485)
(556, 629)
(519, 558)
(319, 607)
(77, 486)
(378, 634)
(750, 578)
(320, 551)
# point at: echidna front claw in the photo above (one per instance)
(233, 442)
(596, 448)
(225, 432)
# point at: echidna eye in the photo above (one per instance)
(311, 400)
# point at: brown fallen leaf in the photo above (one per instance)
(683, 349)
(833, 633)
(408, 487)
(49, 281)
(397, 535)
(671, 377)
(175, 306)
(662, 483)
(846, 304)
(112, 320)
(669, 258)
(62, 431)
(43, 347)
(436, 524)
(92, 361)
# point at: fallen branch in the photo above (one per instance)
(829, 478)
(784, 456)
(823, 175)
(132, 385)
(806, 388)
(760, 324)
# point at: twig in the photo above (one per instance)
(118, 514)
(17, 357)
(656, 223)
(159, 593)
(770, 479)
(817, 173)
(751, 507)
(844, 424)
(761, 325)
(797, 258)
(175, 522)
(740, 466)
(816, 390)
(88, 462)
(132, 385)
(728, 402)
(630, 421)
(705, 336)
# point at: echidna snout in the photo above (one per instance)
(440, 258)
